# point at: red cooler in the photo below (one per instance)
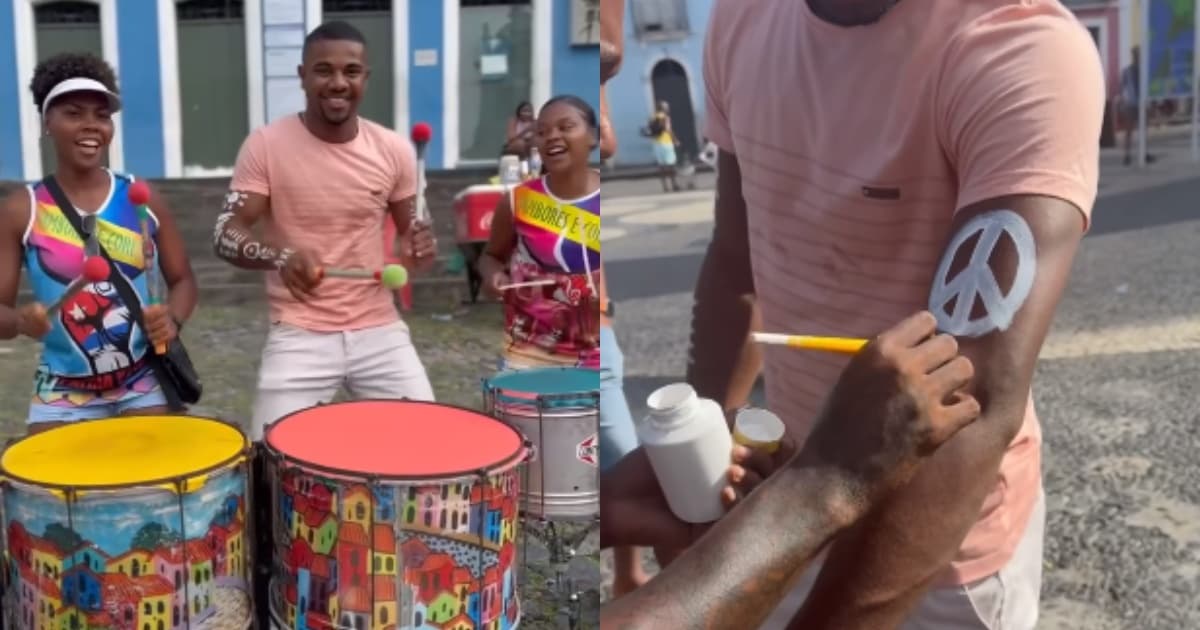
(473, 210)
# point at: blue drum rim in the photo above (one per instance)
(510, 398)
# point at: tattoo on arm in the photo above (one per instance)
(236, 244)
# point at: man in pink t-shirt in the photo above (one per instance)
(878, 157)
(322, 182)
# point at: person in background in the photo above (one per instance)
(548, 230)
(95, 360)
(664, 143)
(1130, 98)
(521, 129)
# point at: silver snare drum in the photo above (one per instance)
(558, 410)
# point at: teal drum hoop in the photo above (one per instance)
(557, 388)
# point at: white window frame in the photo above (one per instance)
(637, 14)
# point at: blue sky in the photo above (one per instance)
(111, 523)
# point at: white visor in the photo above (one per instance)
(80, 84)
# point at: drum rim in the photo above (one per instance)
(505, 464)
(512, 400)
(230, 462)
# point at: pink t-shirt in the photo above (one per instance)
(858, 145)
(330, 199)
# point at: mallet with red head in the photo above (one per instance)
(139, 196)
(421, 134)
(95, 269)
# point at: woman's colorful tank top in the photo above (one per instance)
(557, 240)
(93, 344)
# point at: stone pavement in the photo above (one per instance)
(1115, 387)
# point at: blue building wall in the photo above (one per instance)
(10, 114)
(425, 31)
(144, 124)
(576, 68)
(630, 96)
(141, 87)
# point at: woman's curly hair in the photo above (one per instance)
(61, 67)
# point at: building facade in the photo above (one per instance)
(197, 75)
(664, 45)
(664, 42)
(1105, 23)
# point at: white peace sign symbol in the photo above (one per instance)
(978, 280)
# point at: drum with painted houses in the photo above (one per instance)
(394, 514)
(128, 523)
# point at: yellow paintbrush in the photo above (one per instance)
(843, 345)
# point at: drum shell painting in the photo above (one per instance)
(442, 554)
(128, 559)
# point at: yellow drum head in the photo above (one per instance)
(124, 452)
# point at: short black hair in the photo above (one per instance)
(585, 110)
(63, 66)
(335, 31)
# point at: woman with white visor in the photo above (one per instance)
(96, 355)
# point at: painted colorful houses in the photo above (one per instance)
(443, 560)
(66, 582)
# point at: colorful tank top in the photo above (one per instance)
(93, 344)
(559, 241)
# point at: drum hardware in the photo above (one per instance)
(558, 410)
(563, 548)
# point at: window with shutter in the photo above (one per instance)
(659, 19)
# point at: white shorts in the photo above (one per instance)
(301, 368)
(1006, 600)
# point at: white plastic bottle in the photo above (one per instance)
(535, 163)
(689, 447)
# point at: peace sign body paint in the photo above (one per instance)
(953, 296)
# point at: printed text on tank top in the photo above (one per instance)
(558, 240)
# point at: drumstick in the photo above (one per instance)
(532, 283)
(842, 345)
(392, 277)
(139, 196)
(95, 269)
(421, 134)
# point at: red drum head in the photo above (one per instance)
(396, 439)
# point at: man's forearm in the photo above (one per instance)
(237, 245)
(878, 570)
(738, 573)
(723, 362)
